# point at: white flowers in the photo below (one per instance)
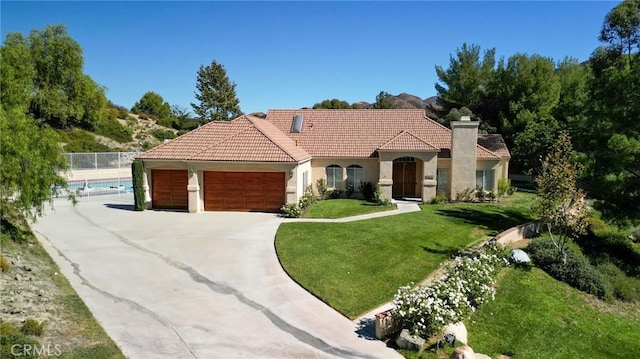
(469, 282)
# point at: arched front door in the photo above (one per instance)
(404, 177)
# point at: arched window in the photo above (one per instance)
(354, 176)
(334, 176)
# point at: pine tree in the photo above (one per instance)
(216, 95)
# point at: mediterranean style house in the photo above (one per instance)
(255, 164)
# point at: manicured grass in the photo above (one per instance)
(536, 316)
(339, 208)
(357, 266)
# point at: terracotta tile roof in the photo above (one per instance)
(325, 133)
(495, 144)
(246, 138)
(359, 133)
(408, 141)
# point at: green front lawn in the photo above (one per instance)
(339, 208)
(357, 266)
(536, 316)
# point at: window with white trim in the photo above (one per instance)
(442, 178)
(484, 179)
(334, 176)
(354, 176)
(305, 180)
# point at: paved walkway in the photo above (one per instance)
(403, 207)
(178, 285)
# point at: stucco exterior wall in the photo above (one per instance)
(464, 140)
(370, 169)
(300, 170)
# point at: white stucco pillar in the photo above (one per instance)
(146, 186)
(193, 189)
(429, 181)
(292, 185)
(386, 175)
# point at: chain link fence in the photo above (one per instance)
(100, 160)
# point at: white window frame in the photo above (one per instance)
(334, 175)
(483, 177)
(355, 175)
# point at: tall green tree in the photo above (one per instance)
(465, 82)
(152, 104)
(17, 73)
(560, 204)
(44, 73)
(572, 107)
(29, 160)
(216, 95)
(610, 137)
(621, 27)
(382, 101)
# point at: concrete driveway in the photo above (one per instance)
(179, 285)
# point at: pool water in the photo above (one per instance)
(124, 185)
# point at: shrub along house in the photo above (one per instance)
(255, 164)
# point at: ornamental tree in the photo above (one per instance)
(560, 204)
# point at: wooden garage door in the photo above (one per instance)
(244, 191)
(169, 189)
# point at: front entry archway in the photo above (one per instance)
(404, 177)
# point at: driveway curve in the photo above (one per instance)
(178, 285)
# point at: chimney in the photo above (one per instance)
(464, 140)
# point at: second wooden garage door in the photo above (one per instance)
(244, 191)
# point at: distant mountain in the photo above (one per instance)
(408, 101)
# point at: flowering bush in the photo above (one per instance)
(295, 210)
(468, 283)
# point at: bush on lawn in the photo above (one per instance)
(323, 190)
(367, 189)
(378, 197)
(295, 210)
(440, 197)
(622, 287)
(605, 242)
(575, 270)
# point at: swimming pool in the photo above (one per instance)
(102, 186)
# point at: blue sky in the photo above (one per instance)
(294, 54)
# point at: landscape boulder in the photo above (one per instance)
(519, 256)
(459, 330)
(407, 341)
(463, 352)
